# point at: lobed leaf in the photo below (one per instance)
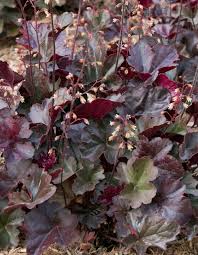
(49, 224)
(137, 178)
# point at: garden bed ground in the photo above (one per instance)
(181, 247)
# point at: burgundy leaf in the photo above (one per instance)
(163, 81)
(109, 193)
(47, 161)
(146, 3)
(97, 109)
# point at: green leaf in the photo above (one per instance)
(137, 177)
(9, 223)
(87, 178)
(96, 53)
(69, 166)
(176, 128)
(1, 25)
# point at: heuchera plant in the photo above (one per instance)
(101, 128)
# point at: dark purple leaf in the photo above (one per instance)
(9, 232)
(156, 149)
(40, 87)
(11, 174)
(152, 230)
(93, 141)
(87, 178)
(12, 129)
(41, 30)
(187, 68)
(119, 210)
(49, 224)
(14, 132)
(193, 110)
(7, 182)
(170, 166)
(92, 217)
(149, 60)
(141, 100)
(190, 146)
(9, 77)
(170, 200)
(61, 46)
(36, 189)
(149, 122)
(165, 30)
(40, 113)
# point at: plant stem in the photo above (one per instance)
(76, 31)
(29, 46)
(54, 46)
(36, 30)
(178, 24)
(121, 35)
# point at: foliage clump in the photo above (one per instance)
(99, 134)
